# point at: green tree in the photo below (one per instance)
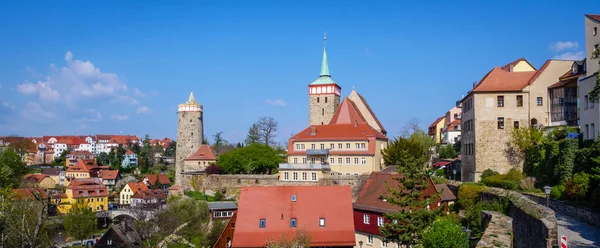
(447, 151)
(577, 187)
(12, 165)
(219, 143)
(22, 146)
(80, 222)
(103, 158)
(445, 233)
(255, 158)
(406, 225)
(253, 135)
(170, 150)
(457, 145)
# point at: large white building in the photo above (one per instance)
(589, 111)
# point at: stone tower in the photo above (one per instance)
(324, 95)
(190, 133)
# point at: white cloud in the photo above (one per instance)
(563, 45)
(119, 117)
(34, 111)
(571, 56)
(42, 89)
(144, 110)
(124, 100)
(277, 102)
(138, 93)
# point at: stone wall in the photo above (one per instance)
(322, 111)
(582, 213)
(497, 230)
(533, 224)
(231, 184)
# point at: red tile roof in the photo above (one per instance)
(162, 179)
(338, 132)
(175, 187)
(30, 194)
(500, 80)
(135, 186)
(445, 192)
(109, 174)
(204, 152)
(35, 177)
(437, 121)
(376, 186)
(80, 166)
(149, 194)
(347, 113)
(594, 17)
(454, 125)
(87, 187)
(334, 203)
(129, 152)
(440, 164)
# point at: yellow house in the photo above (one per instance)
(435, 129)
(128, 191)
(40, 181)
(78, 170)
(89, 191)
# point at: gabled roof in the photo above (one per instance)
(109, 174)
(501, 80)
(87, 187)
(453, 126)
(129, 152)
(271, 203)
(175, 187)
(366, 111)
(593, 17)
(437, 121)
(338, 132)
(149, 194)
(370, 197)
(445, 192)
(52, 171)
(136, 186)
(347, 113)
(204, 152)
(36, 177)
(508, 67)
(162, 179)
(80, 166)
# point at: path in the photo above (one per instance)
(579, 234)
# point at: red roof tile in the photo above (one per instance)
(129, 152)
(149, 194)
(204, 152)
(80, 166)
(338, 132)
(437, 121)
(175, 187)
(594, 17)
(334, 203)
(376, 186)
(135, 186)
(500, 80)
(347, 113)
(87, 187)
(30, 194)
(162, 178)
(109, 174)
(35, 177)
(454, 125)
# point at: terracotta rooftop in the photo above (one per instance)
(175, 187)
(149, 194)
(370, 197)
(338, 132)
(445, 192)
(360, 102)
(204, 152)
(35, 177)
(30, 194)
(136, 186)
(501, 80)
(109, 174)
(454, 125)
(347, 113)
(129, 152)
(87, 187)
(307, 204)
(594, 17)
(80, 166)
(437, 121)
(162, 179)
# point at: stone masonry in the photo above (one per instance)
(497, 230)
(189, 134)
(322, 108)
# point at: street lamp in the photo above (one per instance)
(454, 176)
(547, 190)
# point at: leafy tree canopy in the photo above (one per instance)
(445, 233)
(252, 159)
(12, 168)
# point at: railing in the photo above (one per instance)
(317, 152)
(304, 166)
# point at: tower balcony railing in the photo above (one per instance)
(292, 166)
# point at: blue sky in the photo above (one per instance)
(87, 67)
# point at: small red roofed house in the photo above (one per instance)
(200, 159)
(160, 181)
(129, 190)
(109, 178)
(149, 199)
(324, 213)
(370, 206)
(73, 156)
(39, 181)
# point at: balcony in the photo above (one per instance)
(289, 166)
(323, 152)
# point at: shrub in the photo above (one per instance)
(214, 169)
(577, 187)
(218, 195)
(444, 233)
(527, 184)
(487, 173)
(557, 192)
(468, 194)
(510, 180)
(447, 151)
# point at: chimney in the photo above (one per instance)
(313, 131)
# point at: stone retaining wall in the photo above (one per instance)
(582, 213)
(533, 224)
(497, 230)
(232, 184)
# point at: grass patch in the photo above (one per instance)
(199, 196)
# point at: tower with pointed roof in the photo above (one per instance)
(190, 133)
(324, 95)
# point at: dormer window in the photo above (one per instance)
(574, 69)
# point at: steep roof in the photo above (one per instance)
(454, 126)
(445, 192)
(501, 80)
(109, 174)
(437, 121)
(593, 17)
(35, 177)
(80, 166)
(149, 194)
(376, 186)
(347, 113)
(334, 203)
(136, 186)
(508, 67)
(366, 111)
(338, 132)
(162, 179)
(204, 152)
(87, 187)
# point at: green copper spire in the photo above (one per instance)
(325, 77)
(325, 65)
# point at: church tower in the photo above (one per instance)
(324, 94)
(190, 133)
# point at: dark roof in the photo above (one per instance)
(149, 194)
(30, 194)
(445, 192)
(222, 205)
(52, 171)
(391, 168)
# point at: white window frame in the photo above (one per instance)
(363, 160)
(286, 176)
(347, 160)
(369, 239)
(314, 176)
(304, 176)
(295, 160)
(366, 219)
(340, 160)
(295, 176)
(331, 160)
(379, 221)
(355, 160)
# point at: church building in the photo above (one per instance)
(341, 139)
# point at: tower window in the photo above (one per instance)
(325, 99)
(323, 111)
(317, 99)
(293, 222)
